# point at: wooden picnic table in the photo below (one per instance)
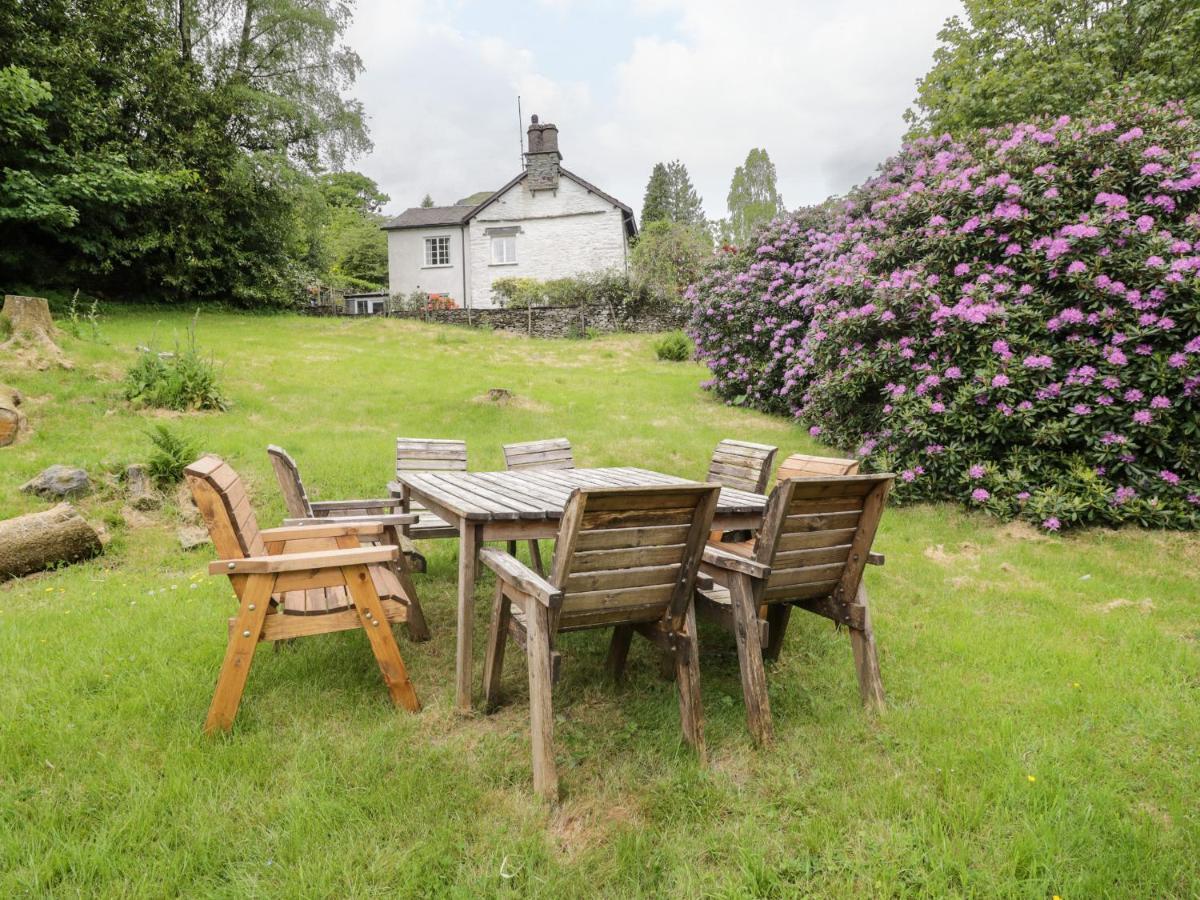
(527, 505)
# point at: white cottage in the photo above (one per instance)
(545, 223)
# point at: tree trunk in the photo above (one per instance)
(40, 540)
(12, 420)
(33, 332)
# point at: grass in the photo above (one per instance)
(1044, 692)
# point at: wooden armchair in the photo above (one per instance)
(427, 455)
(810, 553)
(554, 453)
(800, 465)
(626, 558)
(294, 582)
(742, 466)
(302, 511)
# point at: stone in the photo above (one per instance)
(135, 519)
(59, 483)
(192, 536)
(187, 506)
(142, 495)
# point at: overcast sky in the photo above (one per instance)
(821, 84)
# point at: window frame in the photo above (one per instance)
(499, 239)
(430, 254)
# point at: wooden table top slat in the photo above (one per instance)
(543, 493)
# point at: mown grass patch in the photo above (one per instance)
(1004, 653)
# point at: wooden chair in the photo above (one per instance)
(302, 511)
(742, 465)
(810, 553)
(800, 465)
(294, 582)
(626, 558)
(554, 453)
(428, 455)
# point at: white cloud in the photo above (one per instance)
(821, 84)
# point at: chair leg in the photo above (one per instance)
(493, 661)
(618, 652)
(750, 659)
(535, 557)
(778, 615)
(383, 642)
(511, 546)
(418, 628)
(239, 654)
(541, 709)
(866, 660)
(687, 677)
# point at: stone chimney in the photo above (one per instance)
(542, 157)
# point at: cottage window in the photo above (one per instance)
(504, 249)
(437, 251)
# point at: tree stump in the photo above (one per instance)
(40, 540)
(33, 332)
(12, 420)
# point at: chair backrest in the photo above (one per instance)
(630, 554)
(742, 465)
(817, 532)
(554, 453)
(222, 500)
(799, 465)
(430, 455)
(288, 476)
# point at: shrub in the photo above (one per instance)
(623, 297)
(673, 347)
(171, 453)
(1011, 319)
(183, 380)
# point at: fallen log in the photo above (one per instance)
(40, 540)
(12, 420)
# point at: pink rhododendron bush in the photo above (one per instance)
(1011, 320)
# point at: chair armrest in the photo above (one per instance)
(512, 571)
(719, 558)
(293, 562)
(875, 559)
(354, 521)
(333, 506)
(325, 529)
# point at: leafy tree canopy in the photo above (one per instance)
(753, 198)
(1009, 60)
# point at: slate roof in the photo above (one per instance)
(433, 216)
(429, 217)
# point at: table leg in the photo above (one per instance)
(468, 554)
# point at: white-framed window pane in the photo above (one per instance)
(504, 249)
(437, 251)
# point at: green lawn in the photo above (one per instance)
(1042, 736)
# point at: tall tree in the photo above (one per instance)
(285, 67)
(1009, 60)
(656, 202)
(427, 202)
(683, 203)
(753, 197)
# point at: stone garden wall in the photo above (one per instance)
(557, 321)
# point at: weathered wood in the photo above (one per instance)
(742, 465)
(12, 420)
(554, 453)
(618, 652)
(541, 712)
(468, 550)
(44, 539)
(687, 682)
(750, 662)
(493, 660)
(799, 465)
(814, 542)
